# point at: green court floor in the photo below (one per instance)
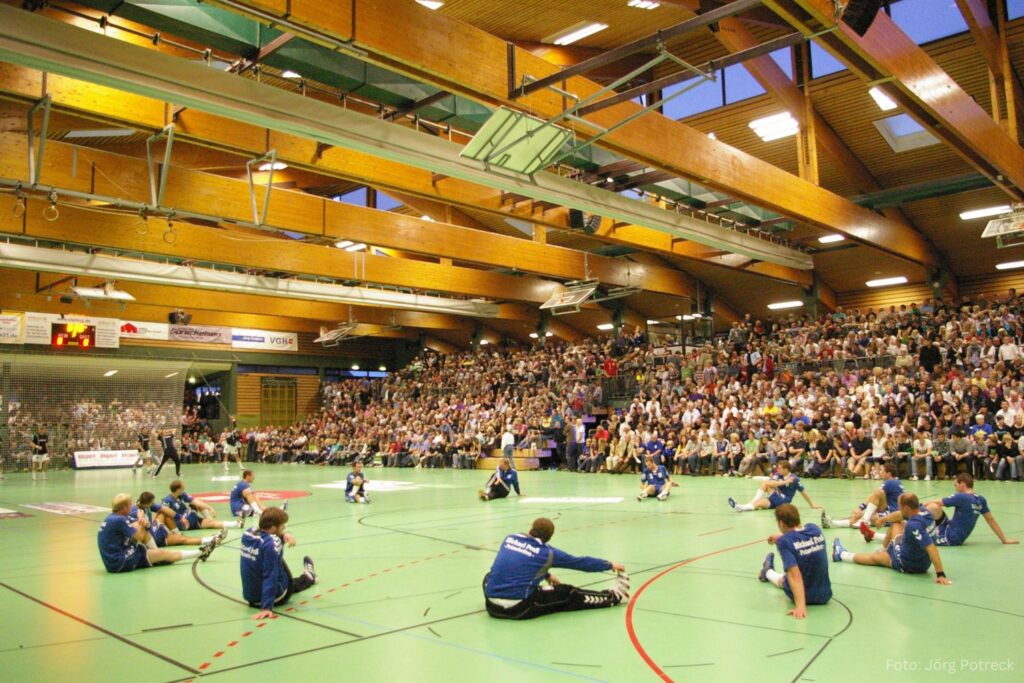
(399, 597)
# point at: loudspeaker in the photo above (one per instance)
(860, 14)
(179, 318)
(576, 219)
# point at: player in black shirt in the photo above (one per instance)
(145, 453)
(170, 452)
(40, 451)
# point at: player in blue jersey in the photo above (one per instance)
(501, 483)
(512, 589)
(883, 501)
(243, 499)
(190, 513)
(909, 547)
(355, 485)
(156, 516)
(122, 541)
(655, 480)
(804, 561)
(266, 579)
(968, 506)
(780, 488)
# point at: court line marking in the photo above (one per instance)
(636, 596)
(731, 623)
(99, 628)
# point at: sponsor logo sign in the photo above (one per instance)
(134, 329)
(263, 340)
(199, 334)
(91, 459)
(12, 328)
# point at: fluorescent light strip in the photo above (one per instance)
(288, 73)
(985, 213)
(644, 4)
(1010, 265)
(356, 247)
(884, 102)
(605, 327)
(886, 281)
(575, 33)
(342, 244)
(173, 374)
(829, 239)
(278, 166)
(775, 126)
(99, 133)
(110, 373)
(431, 4)
(785, 304)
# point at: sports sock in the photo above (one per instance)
(150, 543)
(189, 554)
(841, 523)
(868, 512)
(759, 495)
(207, 539)
(846, 556)
(772, 576)
(745, 507)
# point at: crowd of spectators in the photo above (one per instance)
(934, 388)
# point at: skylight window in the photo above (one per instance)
(823, 63)
(783, 57)
(700, 98)
(927, 20)
(904, 133)
(1015, 9)
(739, 84)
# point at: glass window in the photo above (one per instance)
(357, 197)
(1015, 10)
(784, 58)
(823, 63)
(740, 85)
(904, 133)
(386, 202)
(928, 20)
(703, 96)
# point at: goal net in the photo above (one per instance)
(85, 404)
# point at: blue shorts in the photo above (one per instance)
(658, 490)
(897, 560)
(193, 519)
(943, 535)
(132, 558)
(159, 534)
(776, 499)
(351, 496)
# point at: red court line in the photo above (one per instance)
(636, 596)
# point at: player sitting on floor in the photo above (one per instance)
(884, 498)
(243, 498)
(122, 541)
(909, 547)
(804, 561)
(160, 535)
(355, 485)
(512, 588)
(266, 579)
(779, 489)
(968, 506)
(655, 480)
(187, 511)
(501, 483)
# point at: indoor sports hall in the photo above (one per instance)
(432, 340)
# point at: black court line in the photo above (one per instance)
(808, 664)
(787, 652)
(332, 645)
(435, 632)
(286, 615)
(165, 628)
(731, 623)
(99, 628)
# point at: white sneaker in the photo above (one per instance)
(928, 478)
(913, 478)
(33, 476)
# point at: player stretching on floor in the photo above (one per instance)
(779, 489)
(187, 510)
(654, 480)
(160, 535)
(909, 547)
(266, 580)
(968, 506)
(122, 542)
(501, 483)
(884, 498)
(804, 561)
(355, 485)
(512, 587)
(243, 499)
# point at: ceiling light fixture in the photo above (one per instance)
(426, 218)
(985, 213)
(785, 304)
(431, 4)
(383, 368)
(107, 291)
(110, 373)
(341, 244)
(173, 374)
(884, 102)
(775, 126)
(288, 73)
(644, 4)
(886, 281)
(355, 367)
(604, 327)
(277, 166)
(575, 33)
(1010, 265)
(484, 342)
(361, 246)
(829, 239)
(99, 133)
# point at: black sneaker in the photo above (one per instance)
(769, 563)
(206, 549)
(310, 570)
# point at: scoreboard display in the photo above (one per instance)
(72, 335)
